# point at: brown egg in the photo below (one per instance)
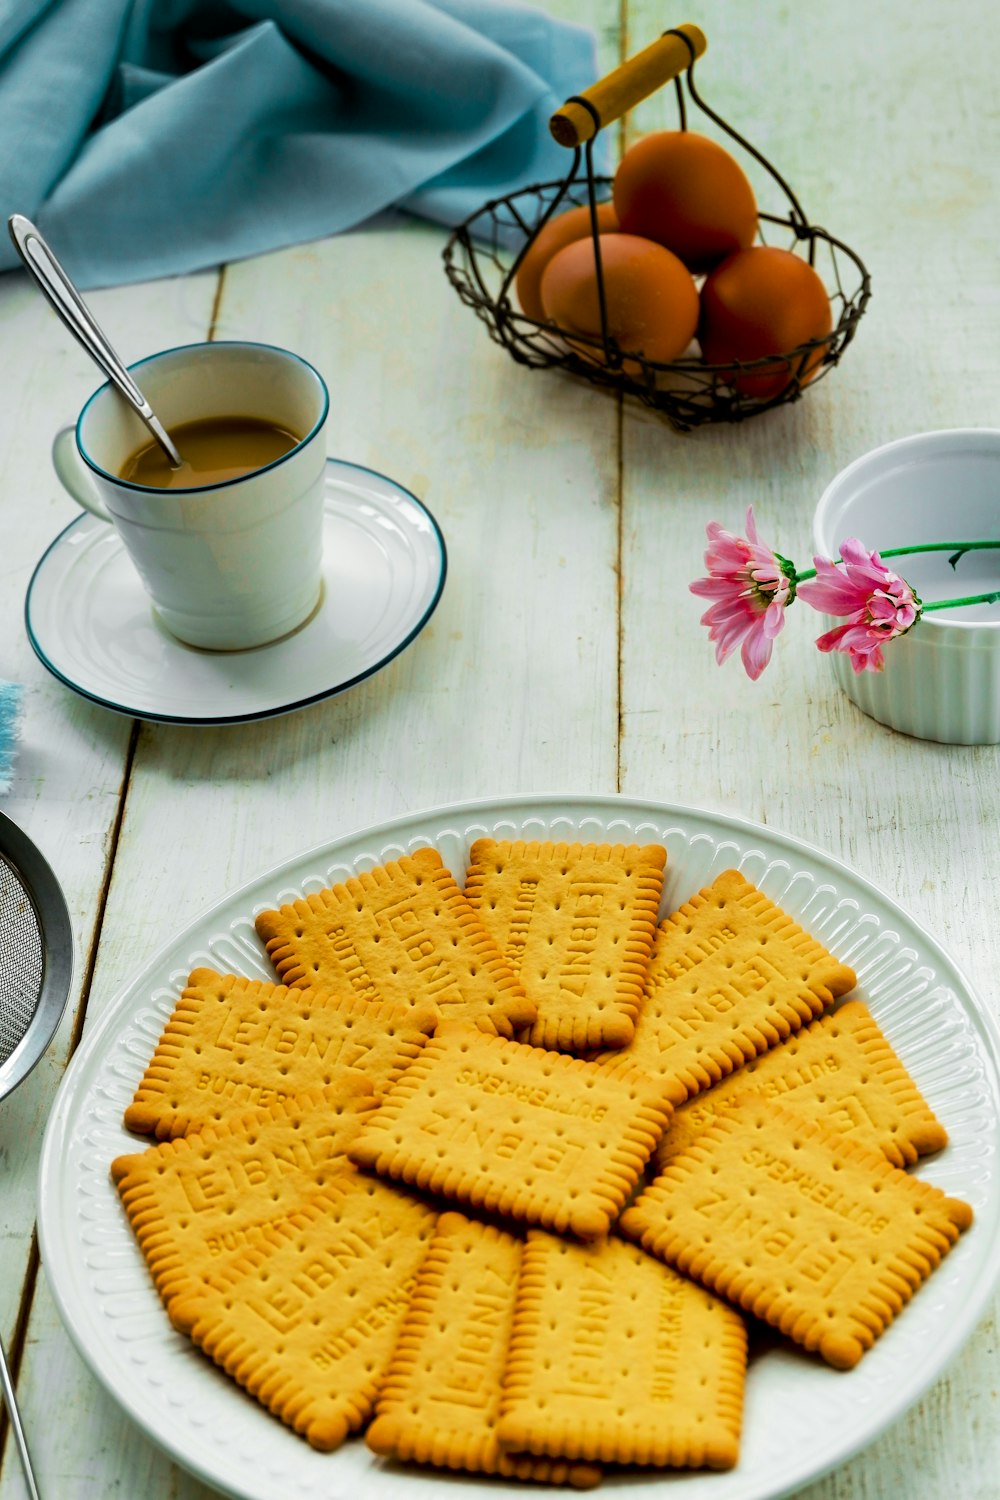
(684, 191)
(564, 229)
(651, 299)
(764, 301)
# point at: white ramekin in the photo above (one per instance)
(942, 679)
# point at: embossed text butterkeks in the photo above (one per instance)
(815, 1233)
(198, 1201)
(840, 1070)
(307, 1319)
(730, 975)
(402, 932)
(234, 1044)
(536, 1135)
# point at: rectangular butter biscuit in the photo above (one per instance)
(615, 1358)
(234, 1044)
(402, 932)
(518, 1131)
(840, 1070)
(196, 1202)
(307, 1319)
(730, 975)
(440, 1400)
(813, 1233)
(576, 921)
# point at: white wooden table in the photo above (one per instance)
(566, 654)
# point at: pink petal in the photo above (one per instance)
(727, 632)
(756, 653)
(857, 637)
(868, 661)
(831, 641)
(831, 592)
(773, 620)
(866, 568)
(712, 588)
(869, 572)
(726, 612)
(726, 553)
(858, 642)
(728, 637)
(853, 550)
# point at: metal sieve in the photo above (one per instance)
(36, 955)
(36, 971)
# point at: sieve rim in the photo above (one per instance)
(56, 934)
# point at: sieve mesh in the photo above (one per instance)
(22, 963)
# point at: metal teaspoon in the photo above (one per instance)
(64, 297)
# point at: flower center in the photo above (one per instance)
(891, 611)
(771, 580)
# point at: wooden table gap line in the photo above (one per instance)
(90, 965)
(15, 1349)
(213, 319)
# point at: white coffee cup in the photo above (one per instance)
(230, 565)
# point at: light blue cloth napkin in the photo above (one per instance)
(150, 137)
(11, 694)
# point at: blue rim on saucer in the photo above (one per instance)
(91, 625)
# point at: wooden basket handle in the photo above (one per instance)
(612, 96)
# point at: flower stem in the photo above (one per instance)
(993, 598)
(958, 550)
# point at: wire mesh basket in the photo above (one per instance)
(484, 254)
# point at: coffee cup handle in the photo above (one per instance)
(73, 475)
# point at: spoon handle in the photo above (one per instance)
(64, 297)
(8, 1399)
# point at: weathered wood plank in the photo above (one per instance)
(70, 762)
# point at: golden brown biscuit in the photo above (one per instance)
(811, 1232)
(518, 1131)
(839, 1070)
(236, 1044)
(576, 921)
(731, 975)
(440, 1399)
(401, 932)
(195, 1202)
(307, 1319)
(615, 1358)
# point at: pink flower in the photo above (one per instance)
(879, 605)
(752, 587)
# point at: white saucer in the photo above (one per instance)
(90, 622)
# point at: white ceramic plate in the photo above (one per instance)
(802, 1418)
(90, 622)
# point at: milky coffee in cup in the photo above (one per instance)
(213, 450)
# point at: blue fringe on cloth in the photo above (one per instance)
(10, 729)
